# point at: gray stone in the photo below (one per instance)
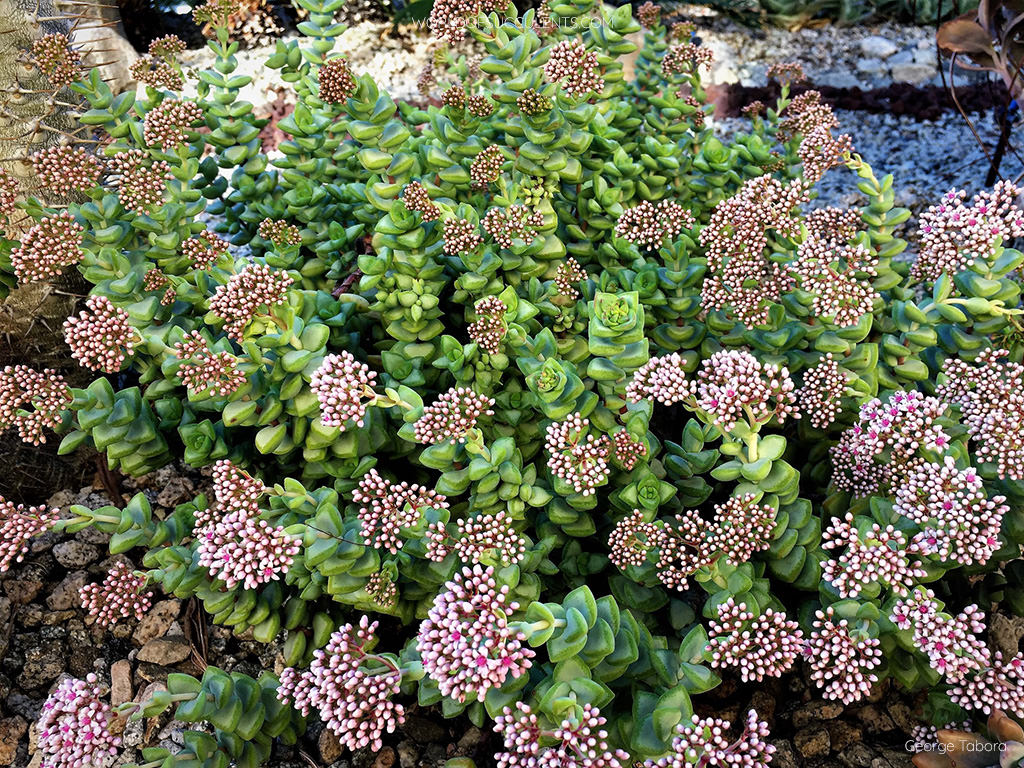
(725, 75)
(903, 57)
(11, 731)
(329, 746)
(871, 66)
(407, 754)
(43, 664)
(912, 73)
(22, 591)
(857, 756)
(816, 711)
(120, 682)
(926, 56)
(165, 651)
(784, 756)
(421, 730)
(878, 47)
(75, 554)
(157, 621)
(470, 740)
(812, 741)
(838, 79)
(65, 594)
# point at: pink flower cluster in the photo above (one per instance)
(576, 457)
(100, 337)
(156, 281)
(981, 680)
(242, 549)
(580, 741)
(240, 300)
(449, 19)
(382, 589)
(486, 166)
(389, 507)
(9, 189)
(31, 400)
(344, 388)
(837, 225)
(159, 69)
(991, 399)
(506, 225)
(820, 397)
(204, 251)
(730, 385)
(452, 416)
(1000, 686)
(49, 246)
(337, 82)
(957, 520)
(417, 200)
(759, 646)
(649, 14)
(576, 68)
(949, 642)
(475, 537)
(839, 276)
(56, 59)
(74, 727)
(740, 276)
(733, 384)
(349, 687)
(703, 742)
(18, 525)
(820, 150)
(954, 234)
(805, 113)
(64, 169)
(206, 370)
(480, 105)
(157, 72)
(661, 379)
(489, 328)
(279, 232)
(686, 58)
(235, 490)
(738, 529)
(140, 181)
(460, 236)
(649, 224)
(878, 556)
(466, 643)
(167, 124)
(841, 658)
(120, 596)
(627, 451)
(882, 447)
(569, 274)
(786, 72)
(532, 102)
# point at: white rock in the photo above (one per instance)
(878, 47)
(838, 79)
(871, 66)
(903, 57)
(912, 73)
(926, 56)
(725, 74)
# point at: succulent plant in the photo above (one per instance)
(575, 392)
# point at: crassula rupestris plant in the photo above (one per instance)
(573, 395)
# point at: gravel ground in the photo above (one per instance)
(926, 158)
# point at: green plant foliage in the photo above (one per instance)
(555, 331)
